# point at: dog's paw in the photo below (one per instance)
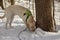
(9, 27)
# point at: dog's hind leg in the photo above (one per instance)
(9, 21)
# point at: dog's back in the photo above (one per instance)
(16, 10)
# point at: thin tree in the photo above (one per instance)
(12, 2)
(1, 4)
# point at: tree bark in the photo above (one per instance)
(1, 4)
(44, 19)
(58, 0)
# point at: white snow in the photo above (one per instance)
(18, 24)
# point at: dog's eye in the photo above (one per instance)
(24, 13)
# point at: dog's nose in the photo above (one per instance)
(33, 30)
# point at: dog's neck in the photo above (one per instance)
(28, 13)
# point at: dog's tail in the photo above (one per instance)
(2, 16)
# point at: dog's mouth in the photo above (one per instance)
(32, 29)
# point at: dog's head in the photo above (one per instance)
(31, 23)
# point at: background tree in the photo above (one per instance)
(1, 4)
(12, 2)
(53, 14)
(44, 18)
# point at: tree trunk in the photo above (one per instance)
(1, 4)
(58, 0)
(44, 19)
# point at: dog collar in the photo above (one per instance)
(28, 13)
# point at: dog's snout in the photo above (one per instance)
(33, 30)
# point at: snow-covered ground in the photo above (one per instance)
(18, 24)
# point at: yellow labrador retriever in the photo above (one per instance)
(22, 12)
